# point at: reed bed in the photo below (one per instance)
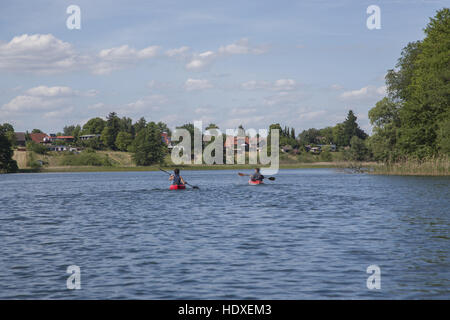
(429, 167)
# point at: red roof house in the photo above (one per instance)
(38, 137)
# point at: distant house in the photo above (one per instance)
(52, 138)
(330, 147)
(89, 136)
(315, 150)
(233, 141)
(166, 139)
(38, 137)
(65, 138)
(20, 139)
(287, 148)
(62, 148)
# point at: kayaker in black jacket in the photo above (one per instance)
(257, 176)
(176, 178)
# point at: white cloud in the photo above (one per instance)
(38, 53)
(255, 85)
(200, 61)
(117, 58)
(243, 111)
(44, 91)
(58, 114)
(43, 98)
(203, 110)
(310, 115)
(24, 103)
(204, 59)
(285, 84)
(336, 86)
(177, 52)
(277, 85)
(197, 84)
(46, 54)
(363, 93)
(96, 106)
(153, 102)
(241, 47)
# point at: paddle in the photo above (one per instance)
(193, 187)
(246, 175)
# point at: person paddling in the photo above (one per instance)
(176, 178)
(257, 176)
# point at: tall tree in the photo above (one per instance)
(428, 103)
(140, 124)
(111, 130)
(148, 147)
(414, 119)
(123, 140)
(7, 164)
(351, 128)
(94, 126)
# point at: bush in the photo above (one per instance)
(326, 156)
(37, 147)
(307, 157)
(86, 159)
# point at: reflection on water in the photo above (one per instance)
(310, 234)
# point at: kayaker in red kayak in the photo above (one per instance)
(257, 176)
(176, 179)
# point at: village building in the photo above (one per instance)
(89, 136)
(20, 139)
(38, 137)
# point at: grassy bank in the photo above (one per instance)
(114, 161)
(432, 167)
(183, 167)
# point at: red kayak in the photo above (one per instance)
(256, 182)
(177, 187)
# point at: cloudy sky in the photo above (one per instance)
(300, 63)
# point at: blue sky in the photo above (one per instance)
(303, 64)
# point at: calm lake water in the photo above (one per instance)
(310, 234)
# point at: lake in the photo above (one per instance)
(310, 234)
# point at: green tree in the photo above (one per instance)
(108, 138)
(68, 130)
(443, 137)
(8, 130)
(72, 130)
(7, 164)
(126, 125)
(385, 119)
(111, 130)
(140, 124)
(148, 147)
(427, 104)
(123, 140)
(164, 128)
(36, 147)
(351, 129)
(94, 126)
(358, 149)
(339, 137)
(211, 126)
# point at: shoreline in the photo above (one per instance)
(318, 165)
(364, 167)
